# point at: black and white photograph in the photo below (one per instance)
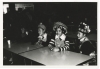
(50, 34)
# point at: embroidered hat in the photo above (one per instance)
(42, 26)
(83, 27)
(60, 25)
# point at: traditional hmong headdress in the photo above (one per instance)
(60, 25)
(42, 26)
(84, 28)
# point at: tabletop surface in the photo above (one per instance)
(47, 57)
(21, 47)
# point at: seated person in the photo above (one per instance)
(85, 46)
(42, 38)
(58, 40)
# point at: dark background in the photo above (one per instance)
(70, 13)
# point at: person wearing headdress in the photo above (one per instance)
(58, 41)
(42, 38)
(85, 47)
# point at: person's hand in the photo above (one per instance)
(56, 49)
(40, 37)
(50, 46)
(92, 54)
(37, 43)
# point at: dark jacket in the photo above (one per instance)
(87, 48)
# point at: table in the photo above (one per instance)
(47, 57)
(20, 47)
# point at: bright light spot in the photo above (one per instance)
(9, 43)
(5, 6)
(23, 6)
(26, 33)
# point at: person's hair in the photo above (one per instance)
(83, 33)
(63, 31)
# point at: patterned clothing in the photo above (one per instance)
(60, 43)
(84, 28)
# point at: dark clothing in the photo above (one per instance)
(47, 42)
(87, 48)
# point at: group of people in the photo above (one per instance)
(58, 41)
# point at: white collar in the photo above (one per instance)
(62, 37)
(43, 35)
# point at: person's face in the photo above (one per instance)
(80, 35)
(40, 31)
(59, 31)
